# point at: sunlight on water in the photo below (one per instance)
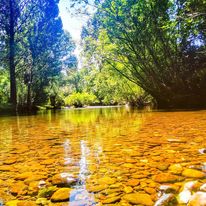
(110, 156)
(83, 163)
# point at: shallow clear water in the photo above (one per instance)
(104, 156)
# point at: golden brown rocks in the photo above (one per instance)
(139, 198)
(198, 199)
(97, 188)
(133, 182)
(193, 173)
(61, 195)
(18, 188)
(63, 179)
(167, 178)
(111, 200)
(176, 169)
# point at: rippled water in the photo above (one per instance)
(105, 156)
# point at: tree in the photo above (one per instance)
(34, 48)
(160, 45)
(14, 17)
(50, 49)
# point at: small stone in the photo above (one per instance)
(61, 195)
(111, 200)
(37, 177)
(6, 168)
(26, 203)
(63, 179)
(33, 188)
(24, 176)
(149, 190)
(133, 182)
(193, 173)
(42, 201)
(47, 192)
(138, 176)
(202, 151)
(184, 197)
(198, 199)
(12, 203)
(97, 188)
(128, 165)
(166, 178)
(48, 162)
(128, 189)
(106, 180)
(18, 188)
(176, 169)
(168, 188)
(190, 185)
(162, 166)
(139, 198)
(116, 185)
(9, 161)
(165, 200)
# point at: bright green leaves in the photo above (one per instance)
(159, 45)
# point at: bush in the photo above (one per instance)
(81, 99)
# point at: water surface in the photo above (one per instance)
(104, 156)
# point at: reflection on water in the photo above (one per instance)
(108, 156)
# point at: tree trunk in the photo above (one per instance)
(13, 95)
(29, 106)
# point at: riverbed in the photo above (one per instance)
(103, 156)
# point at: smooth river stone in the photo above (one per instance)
(128, 165)
(184, 196)
(36, 177)
(10, 161)
(12, 203)
(193, 173)
(162, 166)
(111, 200)
(176, 169)
(128, 189)
(166, 178)
(47, 192)
(106, 180)
(6, 168)
(133, 182)
(198, 199)
(97, 188)
(26, 203)
(24, 175)
(18, 188)
(48, 162)
(169, 188)
(61, 195)
(166, 199)
(63, 179)
(139, 198)
(42, 201)
(150, 190)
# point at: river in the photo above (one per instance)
(103, 156)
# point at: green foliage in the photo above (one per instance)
(81, 99)
(4, 87)
(34, 48)
(158, 45)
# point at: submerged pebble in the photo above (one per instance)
(109, 160)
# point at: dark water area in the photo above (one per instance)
(103, 156)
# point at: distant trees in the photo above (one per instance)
(33, 47)
(158, 45)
